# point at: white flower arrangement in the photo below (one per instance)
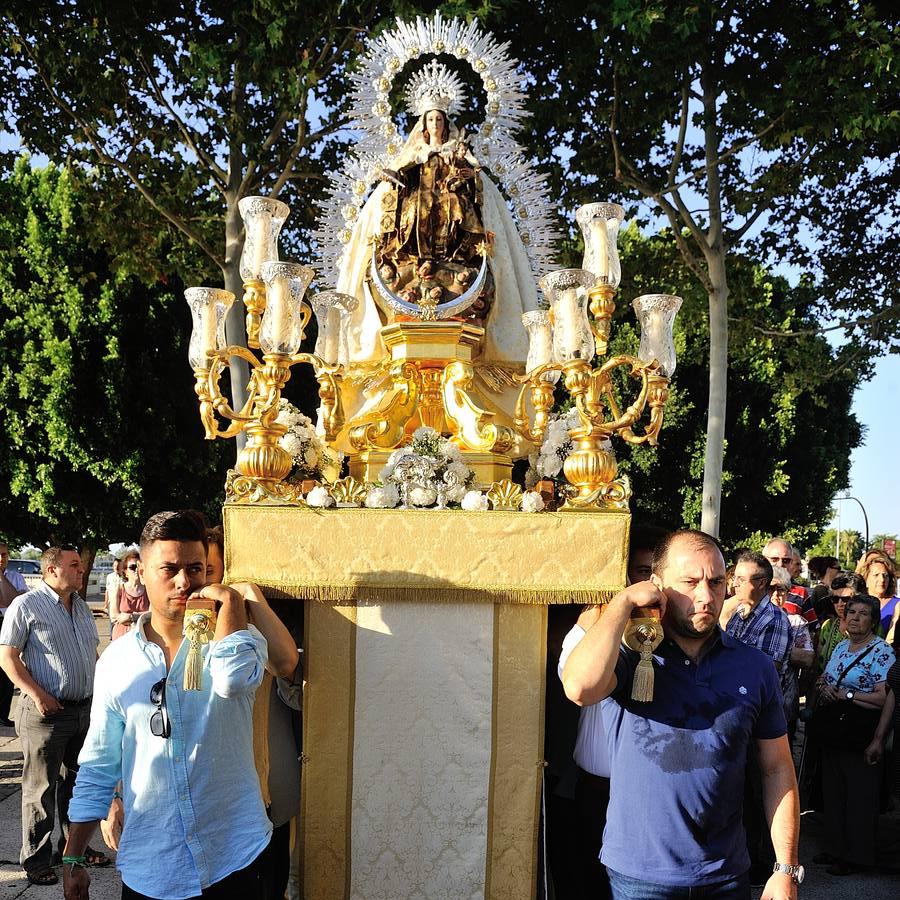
(475, 501)
(319, 497)
(431, 471)
(310, 455)
(556, 446)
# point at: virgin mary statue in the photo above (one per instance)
(429, 223)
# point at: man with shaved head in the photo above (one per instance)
(677, 761)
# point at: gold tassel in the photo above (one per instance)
(643, 634)
(199, 625)
(642, 685)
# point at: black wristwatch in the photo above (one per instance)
(797, 873)
(850, 694)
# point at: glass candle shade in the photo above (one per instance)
(566, 291)
(656, 315)
(332, 310)
(209, 306)
(540, 342)
(599, 223)
(263, 218)
(286, 315)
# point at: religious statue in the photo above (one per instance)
(432, 235)
(436, 236)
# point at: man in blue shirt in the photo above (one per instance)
(195, 824)
(677, 762)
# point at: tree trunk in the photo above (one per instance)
(718, 392)
(88, 555)
(234, 323)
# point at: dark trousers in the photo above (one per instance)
(6, 692)
(275, 861)
(248, 883)
(591, 802)
(850, 791)
(50, 747)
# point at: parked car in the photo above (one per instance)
(30, 569)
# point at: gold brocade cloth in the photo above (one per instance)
(345, 555)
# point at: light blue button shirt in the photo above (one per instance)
(193, 809)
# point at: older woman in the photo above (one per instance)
(131, 599)
(834, 629)
(855, 677)
(880, 574)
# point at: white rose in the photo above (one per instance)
(475, 501)
(422, 496)
(319, 497)
(382, 497)
(549, 466)
(290, 443)
(422, 432)
(532, 502)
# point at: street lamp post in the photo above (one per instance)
(865, 519)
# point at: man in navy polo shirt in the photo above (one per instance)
(677, 763)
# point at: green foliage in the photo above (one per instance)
(803, 132)
(100, 420)
(182, 108)
(851, 547)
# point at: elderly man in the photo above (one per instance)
(677, 762)
(48, 647)
(195, 824)
(11, 585)
(780, 552)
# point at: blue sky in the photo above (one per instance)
(874, 477)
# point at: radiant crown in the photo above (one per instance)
(434, 87)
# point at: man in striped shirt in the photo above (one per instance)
(48, 648)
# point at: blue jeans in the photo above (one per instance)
(625, 888)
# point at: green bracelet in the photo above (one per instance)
(117, 796)
(75, 861)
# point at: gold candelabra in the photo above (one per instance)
(429, 377)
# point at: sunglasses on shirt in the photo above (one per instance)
(160, 726)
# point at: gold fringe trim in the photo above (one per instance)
(353, 593)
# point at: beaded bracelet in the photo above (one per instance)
(75, 861)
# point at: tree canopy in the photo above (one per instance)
(758, 134)
(751, 126)
(99, 416)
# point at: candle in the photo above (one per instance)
(259, 243)
(600, 240)
(569, 322)
(277, 317)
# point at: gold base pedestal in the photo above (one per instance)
(488, 467)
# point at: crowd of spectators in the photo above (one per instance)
(833, 643)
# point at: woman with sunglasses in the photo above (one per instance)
(131, 600)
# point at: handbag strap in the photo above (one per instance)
(859, 658)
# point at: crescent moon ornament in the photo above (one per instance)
(430, 313)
